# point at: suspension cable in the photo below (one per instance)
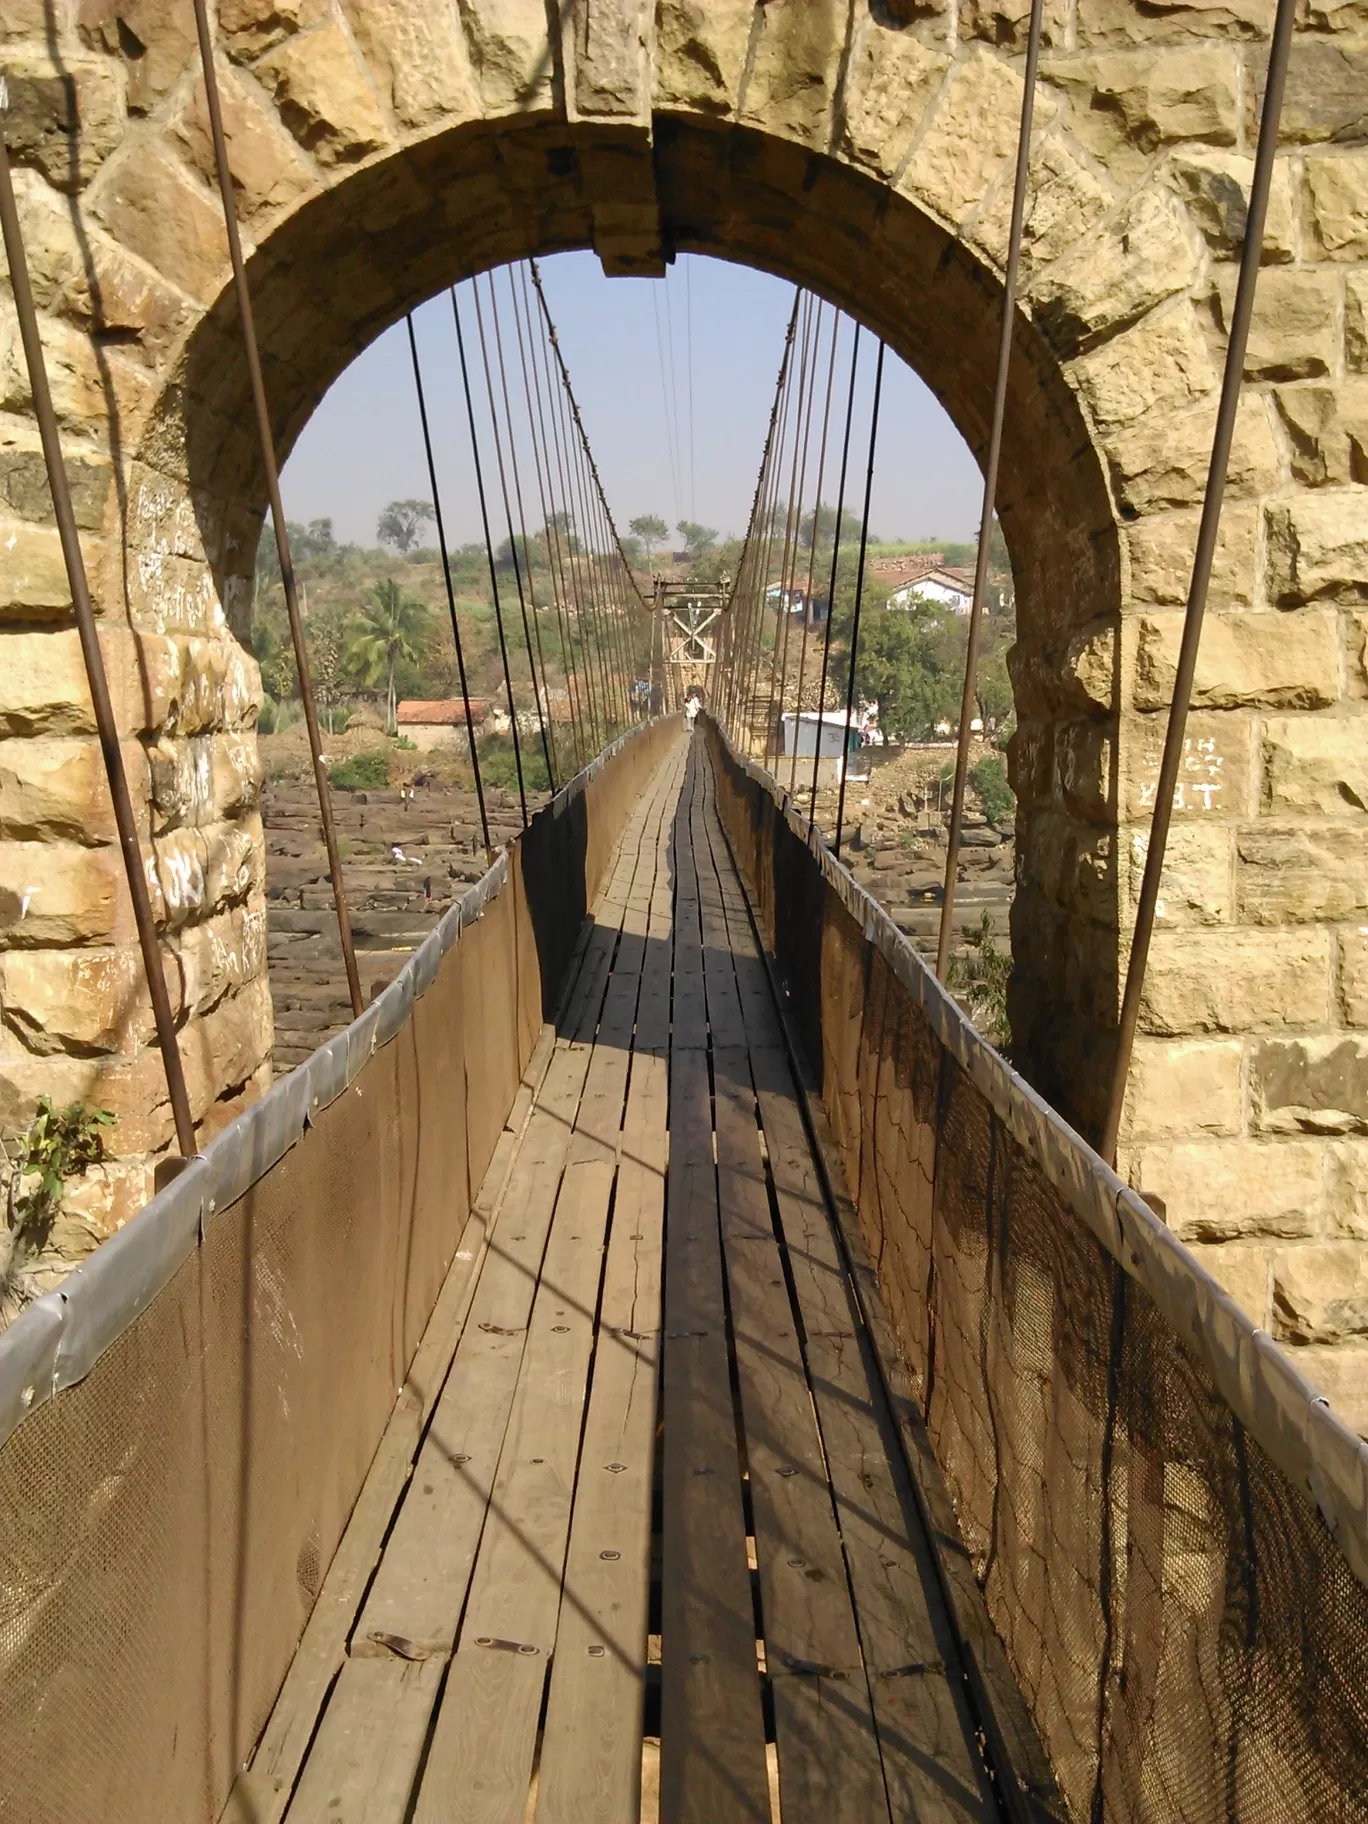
(590, 609)
(531, 605)
(282, 536)
(598, 621)
(859, 593)
(489, 548)
(751, 602)
(670, 439)
(554, 555)
(581, 628)
(990, 480)
(689, 351)
(450, 590)
(835, 561)
(802, 423)
(772, 524)
(579, 424)
(797, 522)
(518, 558)
(590, 465)
(812, 549)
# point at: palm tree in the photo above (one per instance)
(392, 626)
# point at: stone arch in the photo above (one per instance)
(383, 148)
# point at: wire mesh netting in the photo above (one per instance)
(1189, 1638)
(1191, 1642)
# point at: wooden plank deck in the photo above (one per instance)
(655, 1540)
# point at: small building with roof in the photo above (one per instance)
(440, 723)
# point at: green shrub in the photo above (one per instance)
(368, 772)
(989, 780)
(498, 765)
(978, 977)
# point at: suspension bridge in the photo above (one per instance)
(657, 1361)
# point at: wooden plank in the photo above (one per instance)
(724, 1007)
(932, 1767)
(479, 1766)
(515, 1591)
(363, 1767)
(829, 1762)
(421, 1584)
(593, 1713)
(931, 1764)
(261, 1794)
(759, 1014)
(689, 1029)
(1025, 1780)
(495, 1684)
(591, 1751)
(653, 1007)
(712, 1759)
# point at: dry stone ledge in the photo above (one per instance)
(382, 148)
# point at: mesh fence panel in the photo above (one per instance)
(167, 1521)
(1189, 1639)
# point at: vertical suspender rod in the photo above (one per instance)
(990, 478)
(268, 458)
(1207, 533)
(105, 723)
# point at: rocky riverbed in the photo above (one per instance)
(895, 844)
(404, 860)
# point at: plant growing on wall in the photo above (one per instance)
(58, 1144)
(977, 977)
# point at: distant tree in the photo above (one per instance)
(327, 656)
(401, 524)
(912, 664)
(276, 657)
(719, 560)
(825, 520)
(390, 627)
(651, 529)
(697, 539)
(314, 540)
(560, 529)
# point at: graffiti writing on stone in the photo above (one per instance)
(1199, 777)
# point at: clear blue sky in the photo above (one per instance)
(631, 345)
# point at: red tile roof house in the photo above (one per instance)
(441, 723)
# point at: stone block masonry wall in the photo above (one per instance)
(77, 1020)
(383, 148)
(1248, 1113)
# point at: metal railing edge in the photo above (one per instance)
(57, 1339)
(1276, 1404)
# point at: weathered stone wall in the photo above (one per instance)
(383, 148)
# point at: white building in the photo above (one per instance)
(948, 588)
(839, 734)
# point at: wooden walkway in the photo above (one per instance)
(617, 1560)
